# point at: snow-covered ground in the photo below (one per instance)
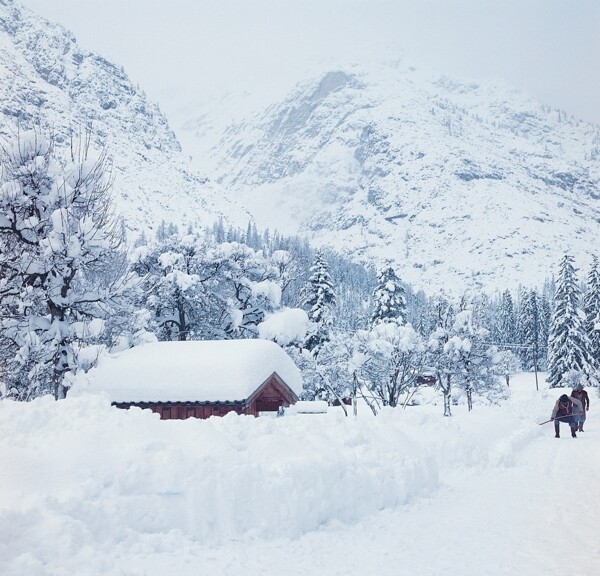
(88, 489)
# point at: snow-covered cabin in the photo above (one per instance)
(199, 379)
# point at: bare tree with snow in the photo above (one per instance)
(395, 356)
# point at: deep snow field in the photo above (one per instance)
(86, 489)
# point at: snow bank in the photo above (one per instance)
(89, 489)
(89, 475)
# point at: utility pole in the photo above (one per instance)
(535, 367)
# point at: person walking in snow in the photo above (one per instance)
(563, 412)
(582, 396)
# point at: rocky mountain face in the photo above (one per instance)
(456, 184)
(48, 82)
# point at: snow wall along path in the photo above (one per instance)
(82, 473)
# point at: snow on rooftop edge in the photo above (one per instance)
(198, 371)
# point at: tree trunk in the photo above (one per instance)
(183, 329)
(447, 395)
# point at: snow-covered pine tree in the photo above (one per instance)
(484, 311)
(319, 302)
(530, 331)
(417, 310)
(523, 295)
(545, 314)
(390, 299)
(568, 344)
(591, 307)
(61, 262)
(506, 324)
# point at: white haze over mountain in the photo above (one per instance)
(185, 51)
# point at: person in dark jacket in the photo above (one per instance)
(563, 412)
(582, 396)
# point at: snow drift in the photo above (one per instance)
(89, 489)
(91, 471)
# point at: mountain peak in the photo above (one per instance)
(460, 183)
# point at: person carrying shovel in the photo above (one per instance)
(563, 412)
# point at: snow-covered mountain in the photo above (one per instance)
(456, 183)
(48, 81)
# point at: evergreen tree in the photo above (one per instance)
(545, 314)
(506, 325)
(531, 331)
(520, 327)
(591, 307)
(219, 231)
(568, 344)
(417, 310)
(319, 302)
(390, 299)
(484, 311)
(162, 232)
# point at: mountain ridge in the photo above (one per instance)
(454, 183)
(50, 83)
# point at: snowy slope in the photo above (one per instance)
(88, 489)
(47, 79)
(458, 183)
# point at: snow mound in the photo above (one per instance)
(88, 474)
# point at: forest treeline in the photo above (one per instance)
(71, 287)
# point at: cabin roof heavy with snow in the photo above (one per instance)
(199, 379)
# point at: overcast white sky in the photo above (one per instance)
(181, 50)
